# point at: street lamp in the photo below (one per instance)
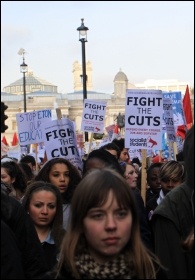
(83, 38)
(23, 69)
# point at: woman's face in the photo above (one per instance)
(42, 208)
(168, 185)
(124, 155)
(59, 176)
(131, 176)
(107, 229)
(5, 177)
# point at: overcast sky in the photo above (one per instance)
(146, 40)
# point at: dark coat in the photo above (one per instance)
(151, 204)
(145, 230)
(50, 253)
(11, 261)
(150, 193)
(172, 221)
(15, 216)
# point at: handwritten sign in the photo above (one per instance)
(60, 141)
(93, 116)
(30, 126)
(178, 114)
(143, 119)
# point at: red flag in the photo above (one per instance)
(15, 139)
(115, 134)
(187, 108)
(4, 140)
(116, 129)
(181, 131)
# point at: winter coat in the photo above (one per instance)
(172, 222)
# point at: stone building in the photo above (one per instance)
(41, 94)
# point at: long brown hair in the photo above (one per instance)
(56, 226)
(93, 191)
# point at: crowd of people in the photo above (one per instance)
(60, 223)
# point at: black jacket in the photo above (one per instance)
(172, 221)
(15, 216)
(11, 261)
(145, 230)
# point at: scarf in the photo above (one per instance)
(88, 268)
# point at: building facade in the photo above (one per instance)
(41, 94)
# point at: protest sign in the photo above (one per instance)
(80, 143)
(30, 126)
(14, 152)
(93, 116)
(104, 141)
(110, 130)
(59, 138)
(168, 119)
(133, 153)
(178, 114)
(143, 119)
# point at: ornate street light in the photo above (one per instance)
(23, 69)
(83, 39)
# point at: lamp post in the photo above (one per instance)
(83, 39)
(24, 69)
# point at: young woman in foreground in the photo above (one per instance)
(103, 239)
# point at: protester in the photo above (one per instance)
(31, 254)
(27, 170)
(11, 261)
(13, 174)
(30, 160)
(112, 148)
(131, 175)
(64, 175)
(103, 240)
(43, 202)
(124, 152)
(153, 180)
(173, 221)
(172, 174)
(101, 158)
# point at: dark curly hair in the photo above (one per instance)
(75, 177)
(16, 172)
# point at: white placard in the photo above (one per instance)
(93, 116)
(30, 126)
(168, 119)
(143, 119)
(59, 138)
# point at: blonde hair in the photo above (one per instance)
(172, 170)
